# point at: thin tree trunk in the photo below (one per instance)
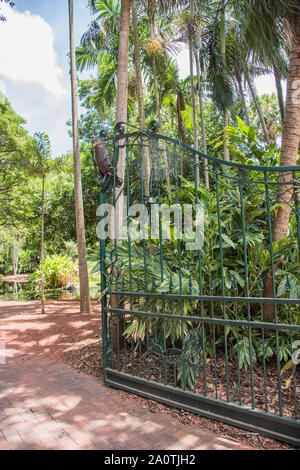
(15, 287)
(258, 108)
(289, 154)
(122, 105)
(122, 88)
(140, 96)
(121, 116)
(195, 124)
(242, 94)
(85, 304)
(157, 100)
(180, 105)
(202, 117)
(279, 91)
(226, 142)
(224, 60)
(15, 257)
(42, 247)
(153, 63)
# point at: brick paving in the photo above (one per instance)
(47, 405)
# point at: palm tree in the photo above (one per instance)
(272, 18)
(85, 304)
(121, 116)
(122, 97)
(202, 118)
(214, 54)
(270, 50)
(191, 36)
(140, 94)
(257, 105)
(278, 77)
(105, 45)
(187, 31)
(224, 61)
(122, 77)
(102, 35)
(247, 66)
(41, 165)
(98, 49)
(153, 46)
(172, 92)
(201, 103)
(237, 61)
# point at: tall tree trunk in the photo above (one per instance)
(121, 116)
(258, 108)
(180, 106)
(15, 287)
(122, 88)
(42, 247)
(277, 76)
(242, 94)
(157, 99)
(195, 123)
(15, 257)
(202, 117)
(140, 95)
(289, 154)
(153, 61)
(122, 103)
(224, 60)
(85, 305)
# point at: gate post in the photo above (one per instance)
(103, 292)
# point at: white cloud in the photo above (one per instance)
(27, 51)
(265, 84)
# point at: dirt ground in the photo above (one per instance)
(17, 278)
(63, 334)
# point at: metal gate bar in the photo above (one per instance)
(187, 326)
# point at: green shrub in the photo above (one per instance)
(28, 261)
(59, 271)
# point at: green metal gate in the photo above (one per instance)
(184, 310)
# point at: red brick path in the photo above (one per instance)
(45, 404)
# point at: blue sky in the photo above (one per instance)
(34, 70)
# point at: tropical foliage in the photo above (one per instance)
(59, 271)
(215, 107)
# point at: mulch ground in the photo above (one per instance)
(63, 334)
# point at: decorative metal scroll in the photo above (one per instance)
(192, 347)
